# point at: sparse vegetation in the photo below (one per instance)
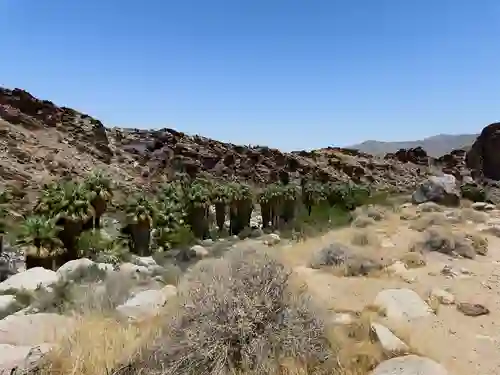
(469, 214)
(66, 220)
(473, 193)
(428, 220)
(365, 237)
(446, 241)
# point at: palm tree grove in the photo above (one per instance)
(64, 223)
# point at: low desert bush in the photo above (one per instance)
(430, 207)
(375, 212)
(473, 193)
(469, 214)
(362, 221)
(445, 241)
(236, 314)
(365, 237)
(429, 220)
(413, 259)
(479, 243)
(344, 261)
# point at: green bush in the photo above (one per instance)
(473, 193)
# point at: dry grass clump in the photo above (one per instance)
(413, 259)
(342, 260)
(469, 214)
(446, 241)
(429, 220)
(237, 314)
(377, 213)
(362, 221)
(430, 207)
(98, 345)
(479, 243)
(365, 237)
(334, 254)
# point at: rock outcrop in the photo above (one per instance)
(415, 155)
(40, 140)
(484, 158)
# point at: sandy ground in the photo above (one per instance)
(465, 345)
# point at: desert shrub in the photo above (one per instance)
(236, 314)
(479, 243)
(429, 220)
(473, 193)
(371, 211)
(105, 296)
(469, 214)
(430, 207)
(413, 259)
(169, 274)
(364, 238)
(334, 254)
(445, 241)
(362, 221)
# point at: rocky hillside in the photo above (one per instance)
(435, 146)
(40, 140)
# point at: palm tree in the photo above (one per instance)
(198, 203)
(101, 193)
(241, 207)
(68, 203)
(141, 213)
(3, 226)
(38, 236)
(220, 197)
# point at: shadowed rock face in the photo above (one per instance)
(484, 156)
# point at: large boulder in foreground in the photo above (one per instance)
(410, 365)
(439, 189)
(483, 159)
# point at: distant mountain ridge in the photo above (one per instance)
(435, 146)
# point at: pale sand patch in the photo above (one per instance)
(465, 345)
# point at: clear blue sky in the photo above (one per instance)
(291, 74)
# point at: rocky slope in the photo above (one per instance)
(40, 140)
(435, 146)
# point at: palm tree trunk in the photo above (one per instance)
(68, 236)
(100, 206)
(220, 215)
(141, 238)
(198, 221)
(265, 210)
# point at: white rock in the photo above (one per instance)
(207, 242)
(134, 271)
(21, 357)
(106, 267)
(397, 268)
(30, 280)
(199, 251)
(402, 304)
(75, 269)
(444, 297)
(391, 344)
(7, 304)
(342, 319)
(409, 365)
(147, 262)
(33, 329)
(147, 302)
(272, 239)
(483, 206)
